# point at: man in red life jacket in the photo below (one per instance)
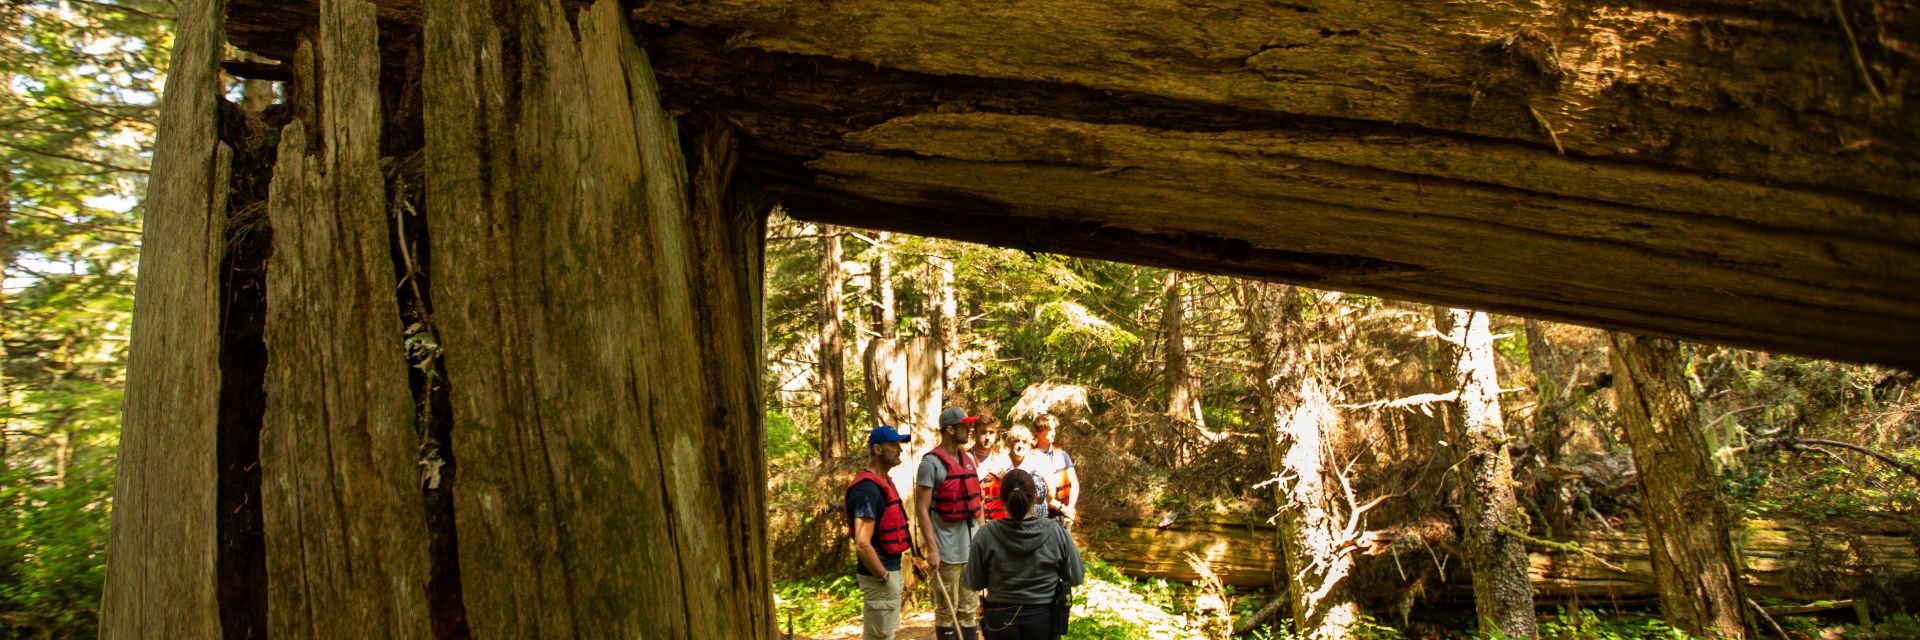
(946, 499)
(993, 464)
(880, 535)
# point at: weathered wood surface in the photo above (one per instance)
(1776, 555)
(1708, 170)
(600, 322)
(161, 553)
(596, 292)
(345, 531)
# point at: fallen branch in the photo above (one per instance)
(1891, 461)
(1769, 618)
(1570, 547)
(1265, 613)
(1812, 607)
(1814, 444)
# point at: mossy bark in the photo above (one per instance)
(1694, 564)
(833, 368)
(1502, 597)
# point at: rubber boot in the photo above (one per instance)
(945, 633)
(969, 633)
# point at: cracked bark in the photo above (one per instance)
(597, 297)
(1695, 568)
(1502, 597)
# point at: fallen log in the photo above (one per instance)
(1783, 559)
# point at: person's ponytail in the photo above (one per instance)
(1017, 490)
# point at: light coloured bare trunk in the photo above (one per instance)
(1298, 405)
(833, 369)
(1490, 516)
(884, 321)
(1694, 564)
(946, 325)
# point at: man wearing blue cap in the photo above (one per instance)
(878, 525)
(947, 500)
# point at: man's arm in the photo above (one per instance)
(863, 548)
(922, 503)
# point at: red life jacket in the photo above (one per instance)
(1062, 483)
(890, 531)
(990, 497)
(958, 497)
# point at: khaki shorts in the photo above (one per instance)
(966, 602)
(880, 610)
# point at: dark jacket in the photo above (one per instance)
(1018, 561)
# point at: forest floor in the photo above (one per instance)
(917, 626)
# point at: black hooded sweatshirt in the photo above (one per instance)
(1018, 561)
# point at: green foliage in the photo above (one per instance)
(76, 122)
(1586, 624)
(786, 443)
(817, 604)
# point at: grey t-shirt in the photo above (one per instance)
(954, 537)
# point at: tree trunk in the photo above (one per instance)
(1314, 532)
(833, 374)
(946, 325)
(1694, 562)
(883, 320)
(161, 544)
(1557, 501)
(588, 306)
(1183, 402)
(1497, 560)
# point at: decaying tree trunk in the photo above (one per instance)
(1556, 499)
(1490, 516)
(1314, 528)
(1694, 563)
(1183, 390)
(161, 550)
(833, 369)
(346, 533)
(585, 296)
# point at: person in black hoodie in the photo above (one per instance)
(1021, 563)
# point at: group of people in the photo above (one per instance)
(999, 558)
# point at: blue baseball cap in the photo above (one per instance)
(884, 434)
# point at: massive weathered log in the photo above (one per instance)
(1699, 169)
(1783, 560)
(1732, 172)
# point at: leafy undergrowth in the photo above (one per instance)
(1112, 606)
(817, 604)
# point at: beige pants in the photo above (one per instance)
(966, 602)
(880, 610)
